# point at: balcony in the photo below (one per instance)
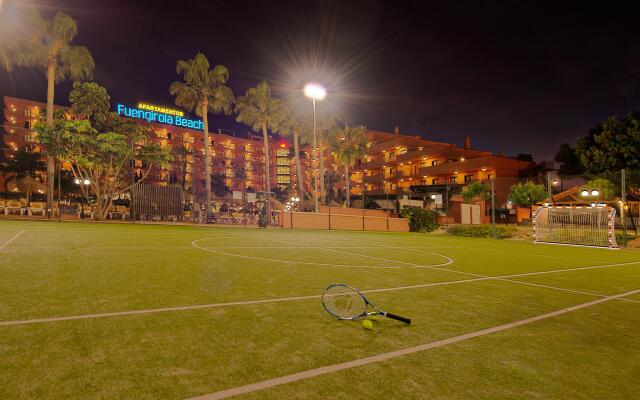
(379, 178)
(469, 165)
(410, 156)
(374, 164)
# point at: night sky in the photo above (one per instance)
(519, 77)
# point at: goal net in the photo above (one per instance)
(580, 226)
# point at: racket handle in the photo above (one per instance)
(398, 318)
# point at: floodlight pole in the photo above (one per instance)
(315, 160)
(623, 216)
(493, 208)
(549, 187)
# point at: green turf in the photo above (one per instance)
(55, 270)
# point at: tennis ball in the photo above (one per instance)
(367, 324)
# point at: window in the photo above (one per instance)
(434, 181)
(28, 137)
(284, 179)
(489, 176)
(27, 124)
(452, 179)
(28, 112)
(282, 153)
(169, 135)
(392, 155)
(403, 150)
(468, 178)
(434, 162)
(283, 170)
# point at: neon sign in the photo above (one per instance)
(162, 115)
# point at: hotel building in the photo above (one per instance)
(237, 162)
(393, 165)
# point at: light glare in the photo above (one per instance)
(314, 91)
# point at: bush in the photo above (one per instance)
(482, 231)
(620, 238)
(420, 220)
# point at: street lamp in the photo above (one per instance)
(85, 182)
(315, 92)
(592, 193)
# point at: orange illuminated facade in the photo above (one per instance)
(237, 162)
(394, 163)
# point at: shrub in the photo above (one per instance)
(483, 231)
(420, 220)
(620, 237)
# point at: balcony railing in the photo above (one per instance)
(373, 164)
(379, 178)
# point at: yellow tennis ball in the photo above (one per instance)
(367, 324)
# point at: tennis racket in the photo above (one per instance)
(346, 302)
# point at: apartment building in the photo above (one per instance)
(237, 161)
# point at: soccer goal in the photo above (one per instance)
(575, 225)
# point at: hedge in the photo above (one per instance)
(482, 231)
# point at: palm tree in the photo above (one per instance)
(48, 47)
(293, 126)
(262, 113)
(203, 90)
(349, 144)
(325, 125)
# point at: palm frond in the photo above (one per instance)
(75, 62)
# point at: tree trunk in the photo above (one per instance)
(347, 184)
(296, 149)
(267, 170)
(207, 157)
(321, 155)
(50, 160)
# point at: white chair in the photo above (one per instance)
(37, 207)
(12, 206)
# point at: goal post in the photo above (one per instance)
(575, 225)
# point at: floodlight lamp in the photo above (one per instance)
(77, 181)
(314, 91)
(86, 182)
(584, 193)
(595, 192)
(433, 197)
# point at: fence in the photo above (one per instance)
(157, 202)
(343, 219)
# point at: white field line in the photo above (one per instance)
(11, 239)
(61, 247)
(445, 239)
(505, 279)
(333, 249)
(195, 244)
(297, 298)
(312, 373)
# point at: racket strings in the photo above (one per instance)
(344, 302)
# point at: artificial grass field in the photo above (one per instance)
(446, 284)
